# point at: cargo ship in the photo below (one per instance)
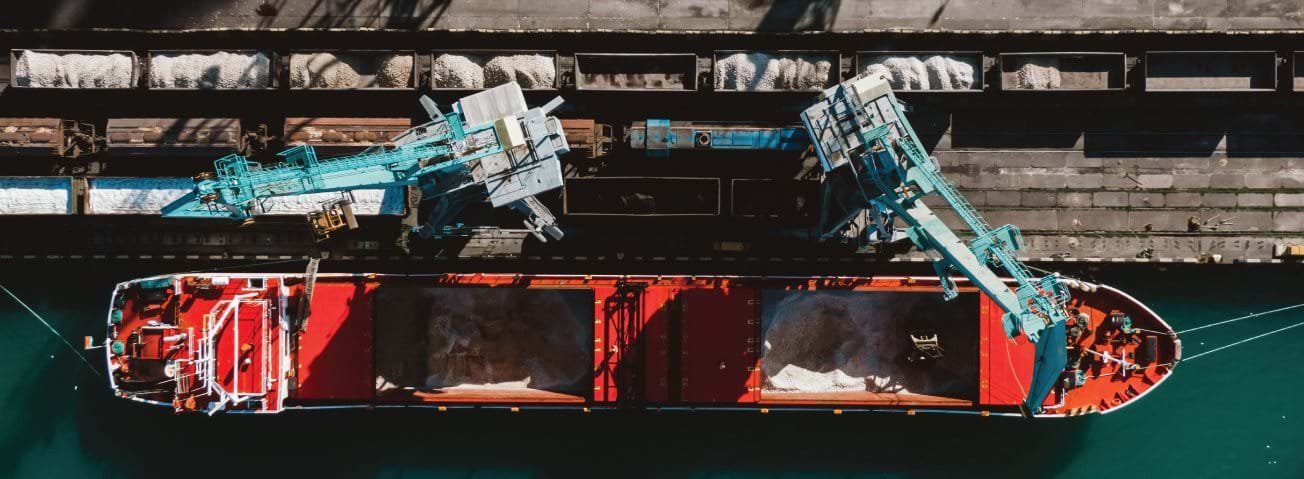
(267, 343)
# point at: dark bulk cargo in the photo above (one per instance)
(482, 344)
(855, 346)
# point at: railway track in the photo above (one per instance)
(1139, 106)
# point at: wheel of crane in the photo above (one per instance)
(703, 139)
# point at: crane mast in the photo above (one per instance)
(879, 173)
(491, 147)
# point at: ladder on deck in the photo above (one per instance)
(305, 300)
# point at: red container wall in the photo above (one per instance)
(605, 351)
(719, 355)
(645, 342)
(335, 348)
(657, 303)
(1005, 365)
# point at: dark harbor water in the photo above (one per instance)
(1236, 413)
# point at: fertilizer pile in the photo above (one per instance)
(441, 338)
(221, 70)
(35, 196)
(763, 72)
(936, 72)
(329, 70)
(148, 196)
(1039, 74)
(462, 71)
(818, 343)
(650, 81)
(828, 342)
(73, 70)
(457, 71)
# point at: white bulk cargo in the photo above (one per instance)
(209, 70)
(148, 196)
(38, 195)
(74, 69)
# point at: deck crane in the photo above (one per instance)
(878, 171)
(490, 147)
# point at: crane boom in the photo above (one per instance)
(867, 146)
(489, 148)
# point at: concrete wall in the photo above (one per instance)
(736, 15)
(1130, 182)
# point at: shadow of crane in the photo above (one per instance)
(797, 15)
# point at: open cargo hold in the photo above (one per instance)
(211, 70)
(353, 70)
(764, 198)
(37, 195)
(850, 347)
(82, 69)
(1297, 74)
(1063, 71)
(5, 73)
(642, 196)
(486, 340)
(213, 137)
(1211, 71)
(440, 344)
(636, 71)
(479, 69)
(938, 71)
(148, 196)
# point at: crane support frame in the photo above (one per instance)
(866, 144)
(490, 148)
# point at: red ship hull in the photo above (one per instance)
(246, 343)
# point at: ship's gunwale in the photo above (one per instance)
(929, 282)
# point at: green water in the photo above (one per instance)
(1231, 414)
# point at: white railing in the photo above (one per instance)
(206, 358)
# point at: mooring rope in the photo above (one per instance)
(52, 330)
(1255, 315)
(1211, 351)
(1243, 341)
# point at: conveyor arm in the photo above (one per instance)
(490, 148)
(862, 136)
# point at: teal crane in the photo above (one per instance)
(490, 147)
(879, 171)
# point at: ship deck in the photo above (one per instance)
(696, 342)
(194, 344)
